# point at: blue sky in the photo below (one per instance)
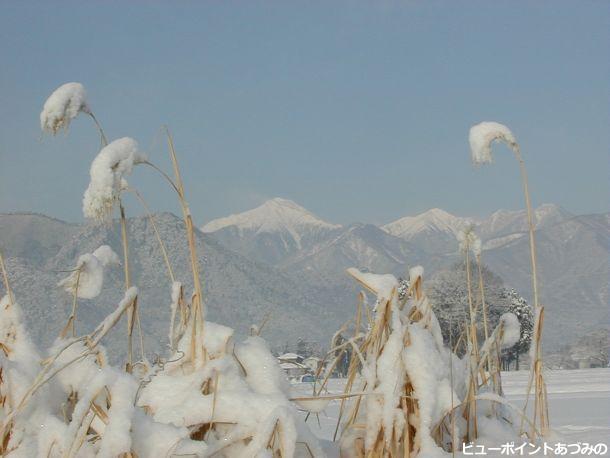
(357, 110)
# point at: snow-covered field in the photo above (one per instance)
(579, 403)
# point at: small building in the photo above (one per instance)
(294, 370)
(293, 365)
(313, 363)
(290, 358)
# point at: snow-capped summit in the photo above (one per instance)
(275, 229)
(275, 215)
(433, 220)
(504, 222)
(434, 230)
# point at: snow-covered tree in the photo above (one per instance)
(448, 293)
(519, 306)
(403, 287)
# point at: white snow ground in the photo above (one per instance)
(579, 404)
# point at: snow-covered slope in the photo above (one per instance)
(271, 232)
(238, 290)
(573, 273)
(434, 230)
(363, 246)
(433, 220)
(275, 215)
(504, 222)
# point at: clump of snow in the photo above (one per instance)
(314, 404)
(250, 391)
(469, 240)
(415, 273)
(216, 339)
(428, 369)
(382, 285)
(482, 136)
(511, 329)
(75, 377)
(62, 106)
(17, 351)
(106, 256)
(111, 165)
(254, 330)
(87, 279)
(117, 435)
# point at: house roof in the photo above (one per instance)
(292, 365)
(289, 356)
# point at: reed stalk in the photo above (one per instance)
(197, 300)
(470, 413)
(70, 325)
(103, 138)
(540, 405)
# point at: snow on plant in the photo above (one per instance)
(108, 171)
(416, 273)
(62, 106)
(18, 362)
(240, 389)
(209, 396)
(482, 136)
(408, 389)
(91, 411)
(468, 240)
(405, 375)
(511, 330)
(87, 278)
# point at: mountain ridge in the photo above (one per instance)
(251, 273)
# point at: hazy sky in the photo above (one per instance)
(359, 111)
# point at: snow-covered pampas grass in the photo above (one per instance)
(468, 240)
(87, 278)
(62, 106)
(69, 402)
(237, 402)
(482, 136)
(405, 387)
(511, 330)
(108, 171)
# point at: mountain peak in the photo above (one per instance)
(274, 215)
(433, 220)
(502, 222)
(280, 202)
(436, 213)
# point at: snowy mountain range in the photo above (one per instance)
(572, 252)
(281, 259)
(280, 229)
